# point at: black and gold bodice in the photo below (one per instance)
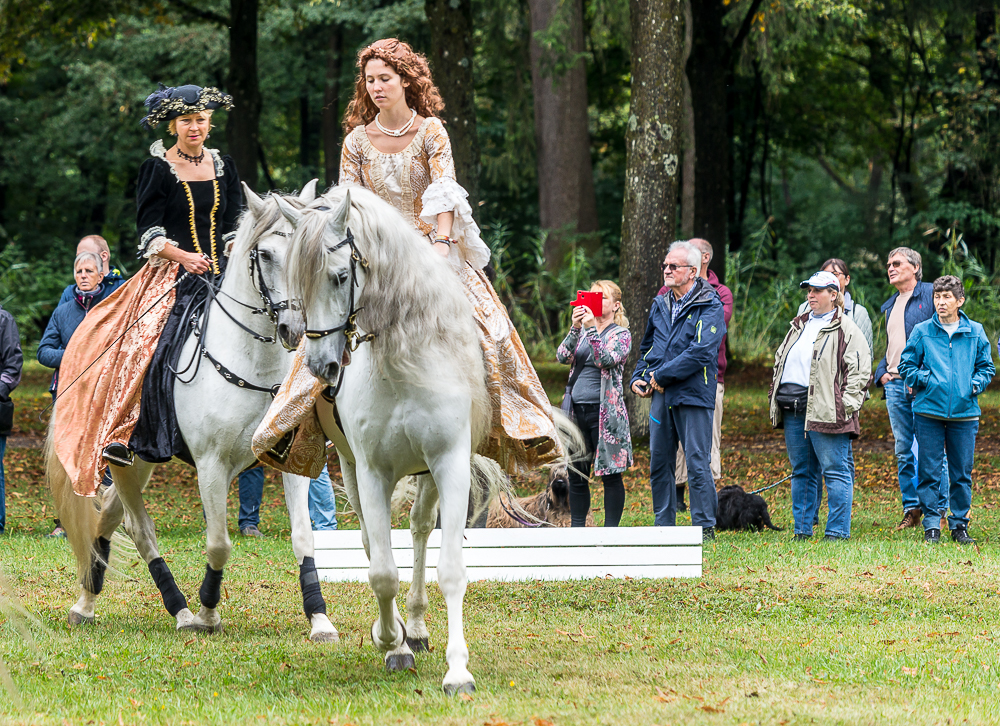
(200, 216)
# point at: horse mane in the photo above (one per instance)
(412, 300)
(249, 229)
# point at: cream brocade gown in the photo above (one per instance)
(420, 182)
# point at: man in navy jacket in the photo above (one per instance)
(678, 365)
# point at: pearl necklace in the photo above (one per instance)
(401, 131)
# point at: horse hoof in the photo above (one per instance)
(457, 688)
(325, 637)
(401, 662)
(201, 628)
(76, 618)
(418, 645)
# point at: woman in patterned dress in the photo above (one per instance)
(396, 147)
(595, 349)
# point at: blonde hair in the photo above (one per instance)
(172, 126)
(839, 300)
(615, 293)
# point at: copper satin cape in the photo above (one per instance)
(522, 435)
(100, 404)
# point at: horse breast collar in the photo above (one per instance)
(349, 328)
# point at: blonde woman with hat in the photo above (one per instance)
(821, 371)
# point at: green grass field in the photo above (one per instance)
(880, 629)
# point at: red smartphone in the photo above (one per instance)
(592, 300)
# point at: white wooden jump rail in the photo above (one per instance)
(529, 554)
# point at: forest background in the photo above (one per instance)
(590, 133)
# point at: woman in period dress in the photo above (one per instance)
(396, 147)
(188, 201)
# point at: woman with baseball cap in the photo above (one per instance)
(821, 370)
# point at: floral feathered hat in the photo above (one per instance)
(167, 103)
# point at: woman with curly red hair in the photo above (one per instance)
(396, 147)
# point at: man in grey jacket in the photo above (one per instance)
(10, 376)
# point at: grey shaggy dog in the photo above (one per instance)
(739, 510)
(550, 505)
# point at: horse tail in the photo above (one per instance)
(77, 514)
(489, 482)
(574, 447)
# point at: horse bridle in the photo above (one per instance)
(349, 327)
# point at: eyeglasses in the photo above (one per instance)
(894, 263)
(673, 268)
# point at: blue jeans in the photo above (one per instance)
(957, 439)
(322, 502)
(3, 489)
(251, 493)
(690, 426)
(901, 418)
(814, 457)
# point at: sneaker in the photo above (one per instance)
(799, 537)
(57, 532)
(251, 531)
(833, 538)
(911, 518)
(932, 536)
(960, 535)
(707, 534)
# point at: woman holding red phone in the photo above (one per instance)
(596, 348)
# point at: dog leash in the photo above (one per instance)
(772, 486)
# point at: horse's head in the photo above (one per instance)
(326, 273)
(268, 260)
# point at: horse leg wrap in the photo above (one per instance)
(173, 599)
(209, 594)
(312, 596)
(99, 564)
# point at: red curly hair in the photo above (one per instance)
(421, 93)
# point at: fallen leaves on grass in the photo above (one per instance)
(541, 721)
(578, 634)
(663, 697)
(465, 697)
(717, 708)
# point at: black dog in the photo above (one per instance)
(741, 511)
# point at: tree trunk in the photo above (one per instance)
(243, 125)
(331, 108)
(566, 197)
(308, 148)
(452, 50)
(707, 70)
(690, 156)
(653, 145)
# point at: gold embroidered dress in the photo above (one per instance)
(420, 182)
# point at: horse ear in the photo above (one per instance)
(308, 192)
(255, 203)
(290, 213)
(338, 221)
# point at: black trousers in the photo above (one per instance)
(588, 419)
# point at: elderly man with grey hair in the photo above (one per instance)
(912, 304)
(677, 368)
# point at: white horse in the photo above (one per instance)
(413, 399)
(218, 409)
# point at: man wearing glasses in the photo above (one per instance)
(913, 303)
(678, 365)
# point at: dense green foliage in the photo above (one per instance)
(856, 126)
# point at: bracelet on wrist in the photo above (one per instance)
(442, 238)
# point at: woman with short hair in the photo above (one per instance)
(852, 309)
(188, 201)
(821, 370)
(947, 362)
(595, 349)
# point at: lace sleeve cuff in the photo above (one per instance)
(227, 242)
(156, 245)
(446, 195)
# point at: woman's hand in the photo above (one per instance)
(194, 263)
(588, 321)
(578, 317)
